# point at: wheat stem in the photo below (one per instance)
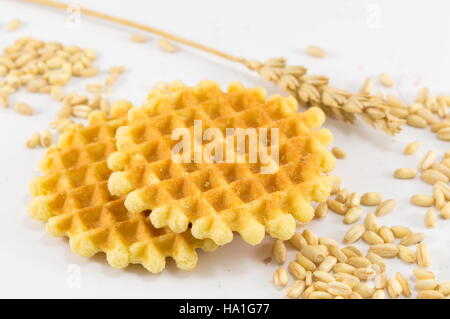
(307, 90)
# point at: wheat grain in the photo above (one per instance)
(297, 270)
(328, 242)
(355, 295)
(364, 273)
(364, 290)
(328, 263)
(370, 222)
(444, 288)
(313, 253)
(105, 106)
(432, 176)
(421, 273)
(430, 218)
(422, 256)
(36, 85)
(320, 295)
(379, 294)
(412, 239)
(429, 294)
(352, 251)
(427, 160)
(416, 121)
(308, 291)
(405, 173)
(400, 231)
(386, 233)
(406, 254)
(321, 211)
(386, 80)
(335, 183)
(442, 169)
(4, 100)
(344, 268)
(394, 288)
(94, 87)
(323, 276)
(305, 262)
(13, 25)
(378, 261)
(33, 140)
(298, 241)
(337, 252)
(371, 199)
(81, 111)
(315, 51)
(337, 207)
(440, 125)
(445, 211)
(342, 195)
(384, 250)
(46, 138)
(444, 134)
(296, 289)
(411, 148)
(347, 279)
(279, 251)
(337, 288)
(385, 207)
(354, 234)
(310, 237)
(359, 262)
(309, 278)
(439, 198)
(352, 215)
(280, 277)
(167, 46)
(367, 86)
(422, 200)
(338, 153)
(444, 188)
(138, 38)
(427, 115)
(23, 108)
(426, 284)
(372, 238)
(353, 200)
(56, 93)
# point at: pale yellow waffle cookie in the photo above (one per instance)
(73, 198)
(219, 198)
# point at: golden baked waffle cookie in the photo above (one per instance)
(73, 198)
(219, 198)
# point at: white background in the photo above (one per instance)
(408, 39)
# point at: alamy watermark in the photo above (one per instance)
(73, 18)
(373, 19)
(239, 145)
(73, 280)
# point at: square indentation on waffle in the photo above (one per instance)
(74, 200)
(126, 237)
(217, 199)
(76, 172)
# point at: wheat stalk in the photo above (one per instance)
(312, 90)
(307, 90)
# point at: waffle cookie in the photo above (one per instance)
(216, 199)
(73, 199)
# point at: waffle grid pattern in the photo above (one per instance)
(217, 199)
(73, 198)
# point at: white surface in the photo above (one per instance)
(409, 44)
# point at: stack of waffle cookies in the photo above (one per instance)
(115, 186)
